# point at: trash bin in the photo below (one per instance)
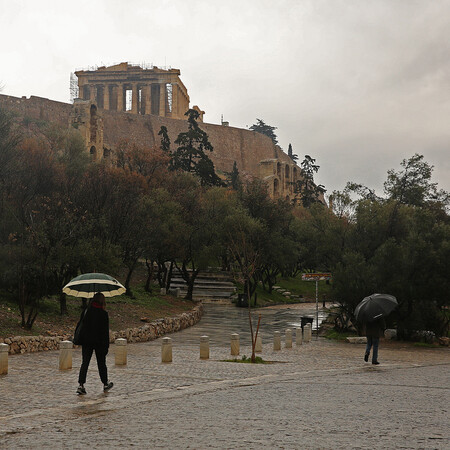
(242, 300)
(305, 320)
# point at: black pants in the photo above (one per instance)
(100, 353)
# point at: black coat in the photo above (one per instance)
(96, 327)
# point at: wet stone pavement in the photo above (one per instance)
(317, 395)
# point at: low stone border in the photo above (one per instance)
(147, 332)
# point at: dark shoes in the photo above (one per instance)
(366, 357)
(81, 390)
(375, 362)
(108, 386)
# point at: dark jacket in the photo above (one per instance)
(375, 328)
(96, 327)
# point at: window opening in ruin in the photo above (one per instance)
(93, 124)
(106, 153)
(286, 176)
(294, 175)
(169, 96)
(276, 187)
(279, 169)
(128, 99)
(100, 96)
(93, 152)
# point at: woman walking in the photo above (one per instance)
(95, 337)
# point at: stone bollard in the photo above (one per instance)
(276, 340)
(204, 347)
(120, 352)
(288, 338)
(234, 344)
(166, 350)
(4, 349)
(258, 344)
(163, 291)
(298, 336)
(307, 332)
(65, 355)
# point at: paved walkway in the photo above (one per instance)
(318, 395)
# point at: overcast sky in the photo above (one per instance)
(357, 84)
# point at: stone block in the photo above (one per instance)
(298, 336)
(276, 340)
(307, 333)
(166, 350)
(4, 349)
(258, 344)
(235, 344)
(120, 352)
(65, 355)
(288, 338)
(390, 333)
(204, 347)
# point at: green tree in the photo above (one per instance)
(190, 155)
(233, 178)
(291, 155)
(309, 192)
(165, 140)
(267, 130)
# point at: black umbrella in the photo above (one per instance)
(374, 307)
(88, 284)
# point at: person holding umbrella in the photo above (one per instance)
(92, 331)
(374, 330)
(371, 312)
(95, 337)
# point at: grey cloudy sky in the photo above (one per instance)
(359, 85)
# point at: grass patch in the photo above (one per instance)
(245, 360)
(425, 344)
(337, 336)
(306, 288)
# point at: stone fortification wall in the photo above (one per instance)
(147, 332)
(38, 108)
(254, 153)
(230, 144)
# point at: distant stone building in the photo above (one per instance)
(136, 89)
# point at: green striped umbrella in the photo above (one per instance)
(88, 284)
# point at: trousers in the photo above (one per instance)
(373, 341)
(100, 353)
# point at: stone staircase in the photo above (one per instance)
(208, 286)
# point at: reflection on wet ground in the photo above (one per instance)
(220, 321)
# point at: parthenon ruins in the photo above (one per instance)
(136, 89)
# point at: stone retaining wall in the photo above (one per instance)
(147, 332)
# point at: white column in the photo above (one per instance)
(298, 336)
(65, 355)
(204, 347)
(166, 350)
(4, 349)
(276, 340)
(120, 352)
(258, 344)
(288, 338)
(234, 344)
(307, 331)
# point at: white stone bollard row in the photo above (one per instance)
(166, 350)
(234, 344)
(65, 355)
(120, 352)
(258, 344)
(307, 331)
(204, 347)
(288, 338)
(276, 340)
(4, 349)
(298, 336)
